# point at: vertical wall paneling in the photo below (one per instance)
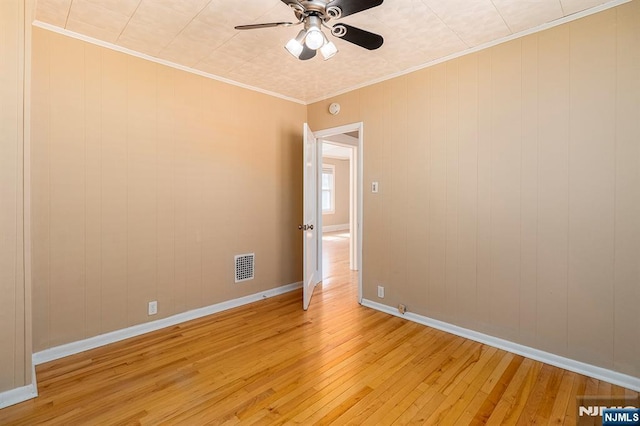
(212, 254)
(9, 196)
(398, 196)
(165, 197)
(485, 219)
(627, 199)
(220, 148)
(553, 189)
(386, 194)
(10, 146)
(505, 186)
(141, 127)
(529, 192)
(148, 180)
(12, 284)
(530, 188)
(25, 336)
(373, 253)
(592, 188)
(181, 190)
(67, 190)
(467, 291)
(114, 173)
(437, 302)
(386, 177)
(15, 249)
(40, 197)
(417, 217)
(452, 190)
(93, 189)
(266, 130)
(190, 119)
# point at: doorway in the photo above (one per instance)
(340, 193)
(335, 198)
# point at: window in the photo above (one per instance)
(328, 189)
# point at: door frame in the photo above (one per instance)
(357, 177)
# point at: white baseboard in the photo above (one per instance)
(136, 330)
(21, 394)
(599, 373)
(335, 228)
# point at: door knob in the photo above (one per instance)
(311, 227)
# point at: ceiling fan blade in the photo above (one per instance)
(294, 4)
(291, 2)
(307, 53)
(357, 36)
(267, 25)
(349, 7)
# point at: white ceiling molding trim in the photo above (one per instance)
(126, 51)
(480, 47)
(254, 65)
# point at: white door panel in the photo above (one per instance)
(311, 225)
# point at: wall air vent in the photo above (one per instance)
(245, 267)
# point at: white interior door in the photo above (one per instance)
(310, 226)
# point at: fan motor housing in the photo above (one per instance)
(312, 7)
(315, 5)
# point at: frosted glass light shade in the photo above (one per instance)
(314, 39)
(294, 47)
(328, 50)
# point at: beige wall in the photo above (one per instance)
(15, 347)
(341, 215)
(509, 195)
(146, 182)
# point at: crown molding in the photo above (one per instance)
(539, 28)
(111, 46)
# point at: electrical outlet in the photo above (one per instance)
(381, 292)
(374, 187)
(153, 308)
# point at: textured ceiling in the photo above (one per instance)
(199, 34)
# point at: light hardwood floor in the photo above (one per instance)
(272, 363)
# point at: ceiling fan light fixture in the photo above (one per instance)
(315, 39)
(328, 50)
(315, 14)
(294, 46)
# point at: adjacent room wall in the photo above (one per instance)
(509, 195)
(15, 347)
(147, 181)
(341, 215)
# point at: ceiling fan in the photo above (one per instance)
(315, 14)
